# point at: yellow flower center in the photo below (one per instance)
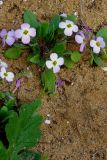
(84, 40)
(5, 37)
(5, 74)
(69, 25)
(55, 63)
(98, 44)
(25, 32)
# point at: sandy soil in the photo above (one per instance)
(78, 111)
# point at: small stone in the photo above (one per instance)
(67, 122)
(47, 121)
(1, 2)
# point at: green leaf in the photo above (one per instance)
(29, 155)
(68, 62)
(21, 46)
(103, 33)
(98, 61)
(59, 48)
(44, 28)
(30, 18)
(55, 21)
(48, 80)
(3, 152)
(68, 52)
(72, 17)
(75, 56)
(23, 130)
(4, 112)
(13, 53)
(35, 59)
(103, 56)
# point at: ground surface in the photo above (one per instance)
(78, 111)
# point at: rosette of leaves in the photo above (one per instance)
(49, 39)
(22, 131)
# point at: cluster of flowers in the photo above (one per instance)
(97, 43)
(9, 76)
(26, 32)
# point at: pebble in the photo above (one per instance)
(1, 2)
(47, 121)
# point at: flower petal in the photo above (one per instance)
(25, 26)
(26, 39)
(11, 33)
(101, 41)
(60, 61)
(53, 56)
(75, 28)
(69, 22)
(3, 33)
(82, 47)
(56, 69)
(62, 25)
(18, 33)
(10, 77)
(96, 49)
(79, 39)
(68, 31)
(32, 32)
(3, 64)
(3, 70)
(10, 41)
(92, 43)
(49, 64)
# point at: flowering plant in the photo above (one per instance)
(48, 41)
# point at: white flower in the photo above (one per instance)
(6, 75)
(69, 27)
(97, 44)
(55, 62)
(3, 64)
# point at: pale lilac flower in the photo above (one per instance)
(7, 37)
(69, 27)
(97, 44)
(81, 39)
(9, 76)
(25, 33)
(55, 62)
(3, 64)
